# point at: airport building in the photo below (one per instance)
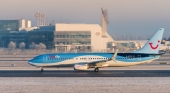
(43, 34)
(82, 37)
(9, 25)
(71, 37)
(14, 25)
(60, 36)
(11, 30)
(65, 37)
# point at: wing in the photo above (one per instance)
(114, 56)
(103, 63)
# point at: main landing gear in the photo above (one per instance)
(96, 69)
(42, 69)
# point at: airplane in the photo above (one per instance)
(84, 61)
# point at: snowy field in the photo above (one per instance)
(85, 85)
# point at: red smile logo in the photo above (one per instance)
(154, 47)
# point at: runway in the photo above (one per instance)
(89, 73)
(158, 68)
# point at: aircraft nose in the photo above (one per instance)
(30, 62)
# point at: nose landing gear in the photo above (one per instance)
(42, 70)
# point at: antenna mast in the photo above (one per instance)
(40, 19)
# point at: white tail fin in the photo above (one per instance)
(153, 45)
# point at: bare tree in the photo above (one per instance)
(37, 47)
(12, 45)
(60, 47)
(32, 46)
(22, 45)
(42, 46)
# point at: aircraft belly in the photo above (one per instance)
(121, 64)
(65, 62)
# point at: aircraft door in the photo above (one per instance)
(139, 57)
(44, 58)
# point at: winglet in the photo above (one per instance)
(115, 54)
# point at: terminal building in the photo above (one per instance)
(14, 25)
(43, 34)
(60, 36)
(83, 37)
(11, 30)
(71, 37)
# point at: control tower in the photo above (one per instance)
(105, 22)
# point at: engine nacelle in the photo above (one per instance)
(81, 66)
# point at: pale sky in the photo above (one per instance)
(126, 17)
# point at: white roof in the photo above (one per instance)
(76, 27)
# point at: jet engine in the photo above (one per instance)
(81, 67)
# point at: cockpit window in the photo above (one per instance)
(35, 58)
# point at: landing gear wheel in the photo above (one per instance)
(42, 69)
(96, 69)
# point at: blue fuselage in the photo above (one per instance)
(73, 58)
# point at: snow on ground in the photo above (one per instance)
(85, 85)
